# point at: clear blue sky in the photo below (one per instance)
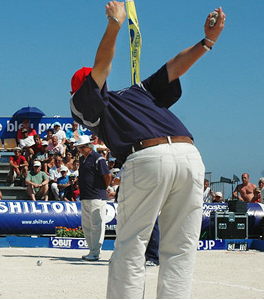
(44, 42)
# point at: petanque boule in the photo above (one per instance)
(39, 263)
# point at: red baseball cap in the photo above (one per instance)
(78, 78)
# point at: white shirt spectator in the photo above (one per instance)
(61, 135)
(29, 141)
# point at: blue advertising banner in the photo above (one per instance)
(9, 126)
(41, 217)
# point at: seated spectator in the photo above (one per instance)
(68, 160)
(49, 163)
(18, 166)
(37, 147)
(59, 133)
(73, 149)
(25, 124)
(37, 183)
(72, 192)
(208, 194)
(75, 169)
(1, 195)
(74, 132)
(55, 146)
(218, 197)
(54, 174)
(63, 181)
(257, 196)
(26, 140)
(42, 156)
(48, 136)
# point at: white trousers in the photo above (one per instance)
(93, 224)
(167, 178)
(55, 190)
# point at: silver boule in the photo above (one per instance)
(39, 263)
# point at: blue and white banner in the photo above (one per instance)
(41, 217)
(9, 126)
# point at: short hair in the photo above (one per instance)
(37, 136)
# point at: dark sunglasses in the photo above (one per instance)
(81, 147)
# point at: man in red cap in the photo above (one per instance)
(163, 170)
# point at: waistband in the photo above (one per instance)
(159, 141)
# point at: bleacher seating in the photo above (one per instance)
(10, 144)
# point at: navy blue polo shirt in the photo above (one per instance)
(121, 118)
(91, 172)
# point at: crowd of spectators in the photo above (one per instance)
(246, 191)
(48, 166)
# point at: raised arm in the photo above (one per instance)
(115, 11)
(181, 63)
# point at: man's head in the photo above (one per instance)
(72, 141)
(111, 162)
(64, 171)
(44, 145)
(50, 132)
(245, 178)
(261, 182)
(72, 178)
(206, 184)
(257, 193)
(25, 123)
(24, 133)
(218, 196)
(78, 78)
(76, 164)
(57, 126)
(58, 160)
(37, 139)
(69, 156)
(17, 151)
(74, 125)
(36, 166)
(55, 140)
(84, 145)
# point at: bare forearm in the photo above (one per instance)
(105, 55)
(181, 63)
(116, 14)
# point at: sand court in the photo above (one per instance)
(219, 274)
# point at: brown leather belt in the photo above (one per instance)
(158, 141)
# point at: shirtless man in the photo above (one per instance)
(246, 189)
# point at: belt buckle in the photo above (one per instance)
(169, 139)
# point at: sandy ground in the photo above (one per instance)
(63, 275)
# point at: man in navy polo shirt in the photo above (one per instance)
(163, 170)
(94, 178)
